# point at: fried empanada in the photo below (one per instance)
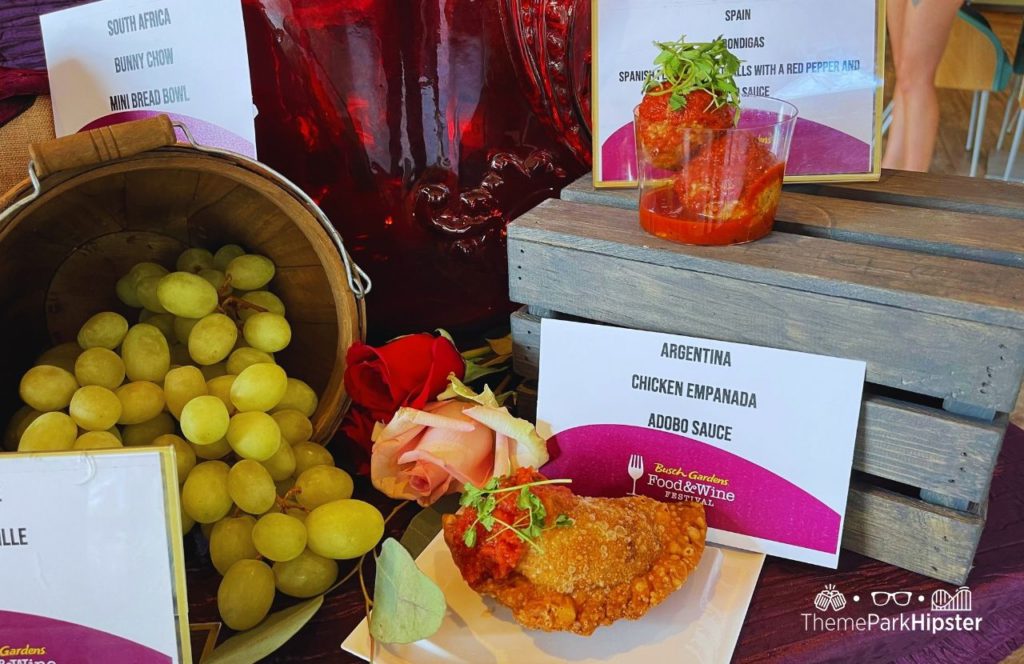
(593, 561)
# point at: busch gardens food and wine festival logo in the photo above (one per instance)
(944, 611)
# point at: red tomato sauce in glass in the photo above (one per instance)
(726, 194)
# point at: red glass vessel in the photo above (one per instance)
(422, 127)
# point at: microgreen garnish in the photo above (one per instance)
(687, 67)
(527, 527)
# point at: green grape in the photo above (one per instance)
(144, 433)
(278, 536)
(47, 388)
(309, 454)
(184, 457)
(187, 522)
(100, 366)
(205, 493)
(241, 358)
(95, 408)
(295, 427)
(162, 322)
(267, 332)
(225, 255)
(116, 433)
(141, 401)
(306, 575)
(343, 529)
(245, 594)
(128, 286)
(250, 272)
(231, 541)
(181, 385)
(298, 396)
(147, 293)
(212, 371)
(263, 299)
(220, 387)
(298, 513)
(323, 484)
(204, 420)
(212, 339)
(145, 353)
(183, 328)
(96, 440)
(217, 450)
(62, 356)
(104, 330)
(251, 487)
(259, 387)
(187, 295)
(281, 466)
(207, 529)
(22, 417)
(216, 278)
(142, 270)
(194, 260)
(50, 432)
(126, 289)
(254, 435)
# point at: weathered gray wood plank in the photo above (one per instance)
(916, 445)
(933, 191)
(990, 239)
(934, 541)
(934, 284)
(923, 353)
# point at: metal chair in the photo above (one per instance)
(974, 60)
(1013, 110)
(1017, 135)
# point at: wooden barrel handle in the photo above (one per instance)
(97, 146)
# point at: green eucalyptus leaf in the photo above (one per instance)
(407, 605)
(264, 639)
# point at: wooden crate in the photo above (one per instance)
(919, 276)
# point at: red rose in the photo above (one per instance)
(409, 371)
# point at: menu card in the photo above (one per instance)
(91, 560)
(120, 60)
(762, 437)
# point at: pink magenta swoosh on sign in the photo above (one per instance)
(68, 642)
(596, 458)
(205, 133)
(817, 149)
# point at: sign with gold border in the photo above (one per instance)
(827, 58)
(91, 559)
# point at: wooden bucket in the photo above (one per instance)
(98, 202)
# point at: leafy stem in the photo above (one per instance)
(682, 68)
(527, 527)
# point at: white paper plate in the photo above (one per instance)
(699, 623)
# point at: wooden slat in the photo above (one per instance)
(933, 355)
(932, 191)
(916, 445)
(976, 237)
(934, 541)
(933, 284)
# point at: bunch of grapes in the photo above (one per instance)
(197, 372)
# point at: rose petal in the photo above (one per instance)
(445, 359)
(385, 472)
(502, 455)
(529, 449)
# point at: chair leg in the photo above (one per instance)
(1013, 92)
(1014, 147)
(979, 132)
(970, 123)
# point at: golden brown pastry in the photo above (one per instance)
(563, 562)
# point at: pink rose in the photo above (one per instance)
(464, 438)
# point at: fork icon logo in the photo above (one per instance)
(635, 470)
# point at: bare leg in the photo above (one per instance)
(926, 28)
(894, 13)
